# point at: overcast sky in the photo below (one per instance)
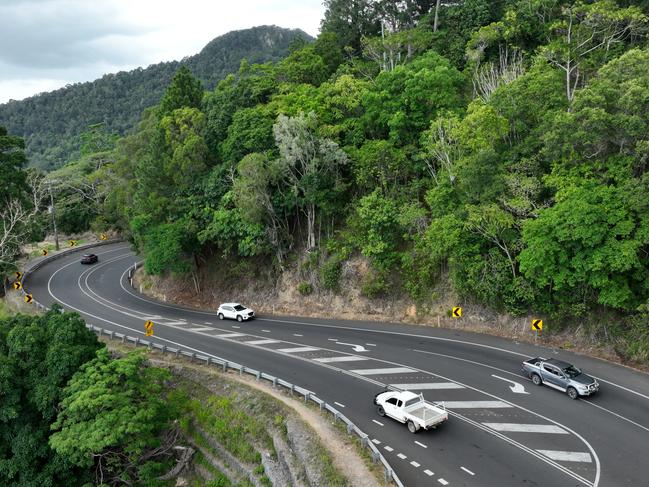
(46, 44)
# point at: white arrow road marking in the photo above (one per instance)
(516, 388)
(356, 348)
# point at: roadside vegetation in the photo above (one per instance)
(496, 150)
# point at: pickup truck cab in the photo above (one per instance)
(560, 375)
(411, 409)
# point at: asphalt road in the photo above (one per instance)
(502, 430)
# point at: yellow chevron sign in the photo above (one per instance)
(537, 325)
(457, 312)
(148, 326)
(28, 298)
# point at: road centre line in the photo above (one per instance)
(614, 414)
(421, 444)
(429, 473)
(402, 456)
(117, 324)
(375, 441)
(442, 481)
(467, 471)
(415, 464)
(388, 448)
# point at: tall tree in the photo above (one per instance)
(184, 91)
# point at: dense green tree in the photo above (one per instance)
(38, 356)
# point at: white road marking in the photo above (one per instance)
(202, 328)
(235, 326)
(526, 428)
(375, 441)
(567, 456)
(297, 349)
(388, 370)
(442, 481)
(371, 344)
(516, 388)
(209, 323)
(266, 331)
(297, 335)
(344, 358)
(332, 339)
(428, 385)
(616, 415)
(338, 404)
(402, 456)
(421, 444)
(429, 473)
(467, 471)
(261, 342)
(378, 422)
(388, 448)
(476, 404)
(355, 347)
(230, 335)
(415, 464)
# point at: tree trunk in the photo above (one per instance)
(435, 22)
(310, 226)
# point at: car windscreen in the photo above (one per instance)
(238, 307)
(571, 371)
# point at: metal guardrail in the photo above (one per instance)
(225, 365)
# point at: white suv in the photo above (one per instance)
(235, 311)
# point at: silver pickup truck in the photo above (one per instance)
(560, 375)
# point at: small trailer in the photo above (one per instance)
(411, 409)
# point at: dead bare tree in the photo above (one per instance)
(489, 76)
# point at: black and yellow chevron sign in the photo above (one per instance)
(457, 312)
(537, 325)
(103, 236)
(18, 285)
(28, 298)
(18, 275)
(44, 252)
(73, 243)
(148, 326)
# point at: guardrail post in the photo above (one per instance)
(323, 405)
(336, 416)
(225, 366)
(307, 396)
(292, 389)
(150, 346)
(100, 331)
(177, 352)
(258, 375)
(349, 429)
(164, 349)
(137, 341)
(123, 338)
(364, 440)
(241, 370)
(208, 360)
(191, 359)
(274, 381)
(111, 334)
(375, 456)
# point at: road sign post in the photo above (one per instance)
(537, 327)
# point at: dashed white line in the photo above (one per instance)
(332, 339)
(375, 441)
(421, 444)
(402, 456)
(266, 331)
(476, 404)
(236, 327)
(388, 448)
(526, 428)
(567, 456)
(297, 335)
(378, 422)
(338, 404)
(388, 370)
(209, 323)
(371, 344)
(429, 473)
(442, 481)
(467, 471)
(415, 464)
(344, 358)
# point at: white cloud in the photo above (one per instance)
(50, 43)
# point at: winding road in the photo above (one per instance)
(502, 430)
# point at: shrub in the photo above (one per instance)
(304, 288)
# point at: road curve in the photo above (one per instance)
(502, 431)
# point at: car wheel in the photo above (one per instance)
(412, 427)
(380, 410)
(239, 318)
(536, 379)
(221, 316)
(572, 393)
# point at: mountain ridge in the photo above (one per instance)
(51, 122)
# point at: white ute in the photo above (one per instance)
(411, 409)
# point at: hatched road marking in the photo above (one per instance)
(426, 386)
(298, 349)
(526, 428)
(261, 342)
(567, 456)
(476, 404)
(388, 370)
(402, 456)
(344, 358)
(231, 335)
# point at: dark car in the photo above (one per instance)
(89, 259)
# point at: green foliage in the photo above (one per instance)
(165, 248)
(304, 288)
(330, 273)
(183, 91)
(112, 412)
(38, 356)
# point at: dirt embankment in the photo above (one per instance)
(281, 295)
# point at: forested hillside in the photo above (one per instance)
(498, 147)
(51, 123)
